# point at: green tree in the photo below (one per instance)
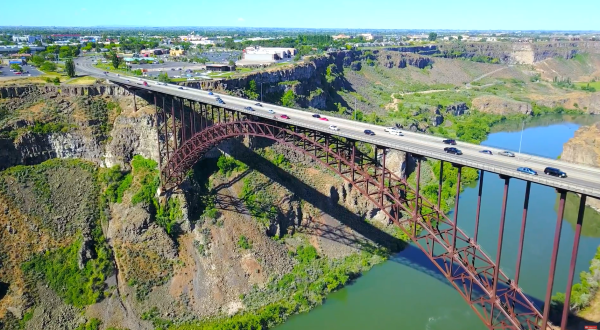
(288, 99)
(229, 43)
(251, 91)
(164, 77)
(25, 50)
(48, 66)
(432, 36)
(460, 38)
(38, 60)
(70, 68)
(115, 60)
(16, 67)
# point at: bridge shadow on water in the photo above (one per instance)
(362, 234)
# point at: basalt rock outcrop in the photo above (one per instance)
(502, 106)
(402, 60)
(584, 148)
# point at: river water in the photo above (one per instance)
(407, 293)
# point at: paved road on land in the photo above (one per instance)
(581, 179)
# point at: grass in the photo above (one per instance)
(82, 81)
(594, 84)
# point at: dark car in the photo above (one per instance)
(487, 152)
(369, 132)
(555, 172)
(210, 93)
(179, 87)
(316, 116)
(249, 108)
(452, 150)
(449, 141)
(526, 170)
(258, 105)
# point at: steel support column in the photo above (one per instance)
(182, 120)
(566, 307)
(439, 201)
(173, 118)
(455, 220)
(499, 246)
(417, 194)
(480, 193)
(522, 237)
(158, 139)
(557, 231)
(383, 179)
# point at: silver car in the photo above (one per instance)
(506, 153)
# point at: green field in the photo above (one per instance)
(595, 84)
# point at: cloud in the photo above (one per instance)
(240, 19)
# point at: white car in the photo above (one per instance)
(333, 128)
(387, 129)
(271, 111)
(395, 132)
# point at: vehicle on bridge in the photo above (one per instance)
(271, 111)
(449, 141)
(369, 132)
(555, 172)
(487, 152)
(249, 108)
(395, 132)
(145, 83)
(210, 93)
(387, 129)
(506, 153)
(179, 87)
(324, 119)
(258, 104)
(526, 170)
(452, 150)
(285, 117)
(316, 116)
(333, 128)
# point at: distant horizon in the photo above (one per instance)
(284, 28)
(436, 15)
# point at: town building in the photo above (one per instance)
(367, 36)
(176, 52)
(257, 53)
(341, 36)
(148, 52)
(26, 39)
(220, 67)
(65, 36)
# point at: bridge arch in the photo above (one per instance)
(491, 294)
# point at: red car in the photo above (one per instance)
(18, 72)
(285, 117)
(323, 118)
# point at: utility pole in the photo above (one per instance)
(354, 108)
(521, 140)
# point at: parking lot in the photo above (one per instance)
(28, 71)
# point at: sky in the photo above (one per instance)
(331, 14)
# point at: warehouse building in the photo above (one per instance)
(256, 55)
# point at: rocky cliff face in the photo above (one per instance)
(502, 106)
(515, 53)
(584, 148)
(132, 131)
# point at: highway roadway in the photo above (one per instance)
(581, 179)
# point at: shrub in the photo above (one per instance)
(244, 243)
(227, 165)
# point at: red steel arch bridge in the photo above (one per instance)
(189, 126)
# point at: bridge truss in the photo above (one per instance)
(188, 129)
